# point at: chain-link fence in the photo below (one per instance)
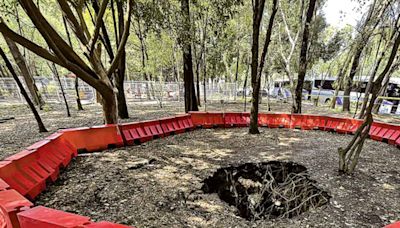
(135, 91)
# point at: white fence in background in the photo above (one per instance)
(135, 91)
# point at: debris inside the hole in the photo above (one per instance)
(267, 190)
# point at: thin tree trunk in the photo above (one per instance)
(76, 84)
(41, 126)
(348, 157)
(54, 70)
(303, 59)
(190, 95)
(30, 82)
(256, 68)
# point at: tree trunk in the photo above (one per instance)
(349, 82)
(30, 82)
(78, 98)
(40, 124)
(120, 74)
(303, 59)
(190, 94)
(257, 70)
(53, 68)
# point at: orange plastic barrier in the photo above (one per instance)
(208, 119)
(27, 172)
(394, 225)
(153, 128)
(43, 217)
(312, 122)
(3, 185)
(348, 126)
(96, 138)
(5, 221)
(177, 125)
(185, 122)
(105, 225)
(236, 119)
(332, 123)
(11, 202)
(134, 133)
(274, 120)
(384, 132)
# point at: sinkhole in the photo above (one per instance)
(267, 190)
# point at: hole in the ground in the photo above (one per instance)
(266, 190)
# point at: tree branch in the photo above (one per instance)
(123, 40)
(98, 25)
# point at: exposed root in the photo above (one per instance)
(267, 190)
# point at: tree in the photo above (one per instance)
(188, 77)
(76, 84)
(25, 72)
(95, 74)
(256, 68)
(54, 70)
(40, 124)
(303, 58)
(349, 156)
(371, 21)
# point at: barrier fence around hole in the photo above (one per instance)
(95, 138)
(27, 172)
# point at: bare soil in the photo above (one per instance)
(158, 184)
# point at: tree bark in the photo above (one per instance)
(190, 94)
(120, 75)
(40, 124)
(303, 58)
(54, 70)
(257, 70)
(28, 78)
(76, 84)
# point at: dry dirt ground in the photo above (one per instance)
(164, 191)
(157, 184)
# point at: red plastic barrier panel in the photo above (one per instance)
(275, 120)
(5, 221)
(26, 174)
(231, 119)
(43, 217)
(96, 138)
(297, 121)
(383, 131)
(349, 126)
(184, 122)
(153, 128)
(167, 127)
(12, 202)
(236, 119)
(332, 123)
(208, 119)
(135, 133)
(106, 225)
(246, 118)
(262, 120)
(394, 225)
(312, 122)
(3, 185)
(393, 137)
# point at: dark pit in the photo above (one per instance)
(267, 190)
